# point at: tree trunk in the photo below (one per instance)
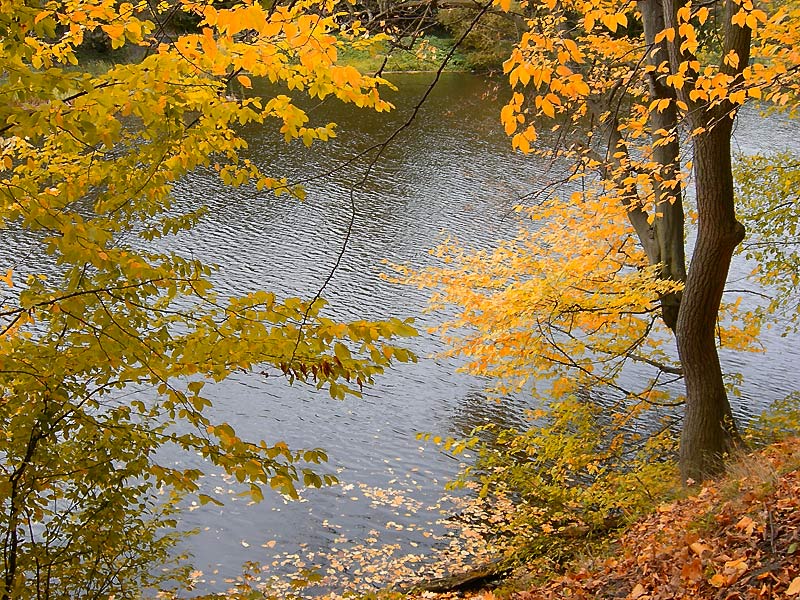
(708, 431)
(668, 223)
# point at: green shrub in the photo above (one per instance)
(780, 421)
(489, 43)
(576, 474)
(425, 54)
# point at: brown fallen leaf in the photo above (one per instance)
(717, 580)
(693, 570)
(746, 524)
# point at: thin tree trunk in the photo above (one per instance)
(669, 221)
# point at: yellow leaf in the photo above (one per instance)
(522, 74)
(244, 80)
(676, 80)
(667, 34)
(563, 71)
(521, 143)
(732, 59)
(610, 21)
(573, 49)
(738, 97)
(114, 31)
(548, 108)
(208, 43)
(210, 15)
(508, 118)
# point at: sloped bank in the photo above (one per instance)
(734, 538)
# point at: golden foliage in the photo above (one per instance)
(87, 168)
(568, 301)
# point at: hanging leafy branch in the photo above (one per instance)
(766, 186)
(105, 352)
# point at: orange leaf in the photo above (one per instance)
(746, 524)
(7, 278)
(718, 580)
(114, 31)
(693, 570)
(700, 549)
(794, 587)
(548, 108)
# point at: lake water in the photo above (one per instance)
(451, 171)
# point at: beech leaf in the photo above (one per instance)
(794, 587)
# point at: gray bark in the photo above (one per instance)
(669, 221)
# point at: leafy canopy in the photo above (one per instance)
(106, 350)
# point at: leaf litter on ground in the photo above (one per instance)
(734, 538)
